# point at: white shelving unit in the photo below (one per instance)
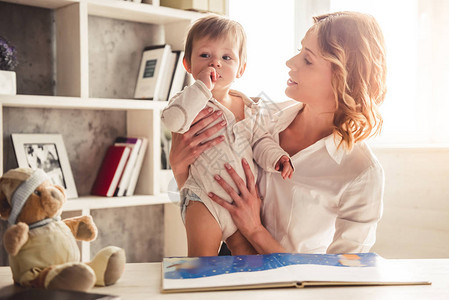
(72, 86)
(94, 202)
(58, 102)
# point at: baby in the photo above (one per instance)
(215, 55)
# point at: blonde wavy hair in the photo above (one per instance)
(354, 45)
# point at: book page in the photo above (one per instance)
(221, 271)
(281, 269)
(360, 268)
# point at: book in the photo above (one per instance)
(168, 76)
(110, 171)
(49, 294)
(138, 166)
(185, 274)
(152, 71)
(179, 75)
(134, 144)
(214, 6)
(195, 5)
(166, 140)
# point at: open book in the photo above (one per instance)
(280, 270)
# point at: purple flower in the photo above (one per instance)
(8, 59)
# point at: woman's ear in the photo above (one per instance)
(241, 70)
(186, 64)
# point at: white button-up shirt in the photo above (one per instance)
(334, 199)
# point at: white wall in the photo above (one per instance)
(415, 223)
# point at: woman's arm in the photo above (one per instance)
(188, 146)
(245, 210)
(359, 211)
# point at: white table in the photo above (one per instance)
(143, 281)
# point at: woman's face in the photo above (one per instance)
(310, 76)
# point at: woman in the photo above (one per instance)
(334, 200)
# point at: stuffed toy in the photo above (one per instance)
(42, 248)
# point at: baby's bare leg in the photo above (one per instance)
(239, 245)
(203, 231)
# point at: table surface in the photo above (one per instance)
(143, 281)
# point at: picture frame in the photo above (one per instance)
(46, 152)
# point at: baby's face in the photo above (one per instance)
(221, 54)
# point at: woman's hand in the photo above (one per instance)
(245, 209)
(188, 146)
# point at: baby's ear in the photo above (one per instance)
(241, 70)
(186, 64)
(5, 208)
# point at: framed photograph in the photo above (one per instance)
(46, 152)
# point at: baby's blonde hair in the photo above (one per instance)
(354, 45)
(215, 27)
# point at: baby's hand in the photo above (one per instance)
(285, 166)
(208, 76)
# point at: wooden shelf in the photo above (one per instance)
(51, 4)
(79, 103)
(138, 12)
(96, 202)
(119, 9)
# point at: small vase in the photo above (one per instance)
(7, 83)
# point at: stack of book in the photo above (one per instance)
(161, 73)
(120, 168)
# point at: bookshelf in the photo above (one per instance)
(74, 69)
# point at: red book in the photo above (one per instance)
(134, 145)
(110, 171)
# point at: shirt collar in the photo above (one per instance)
(249, 102)
(332, 141)
(286, 115)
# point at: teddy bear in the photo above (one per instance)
(42, 248)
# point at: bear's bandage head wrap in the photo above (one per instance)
(23, 192)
